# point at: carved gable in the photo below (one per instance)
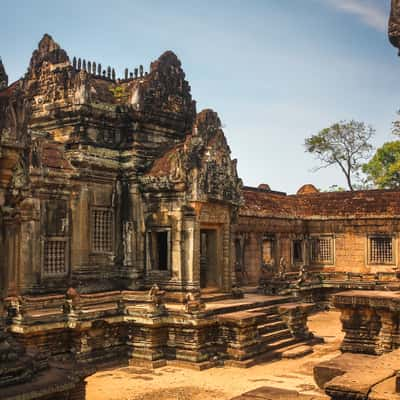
(202, 165)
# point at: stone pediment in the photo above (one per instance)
(202, 163)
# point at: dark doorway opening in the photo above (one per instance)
(162, 251)
(209, 276)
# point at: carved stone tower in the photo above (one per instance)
(3, 76)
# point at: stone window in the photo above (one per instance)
(268, 250)
(322, 250)
(55, 257)
(380, 250)
(102, 229)
(159, 249)
(298, 251)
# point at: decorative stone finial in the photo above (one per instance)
(79, 63)
(108, 72)
(89, 67)
(74, 62)
(94, 68)
(141, 70)
(136, 72)
(126, 73)
(113, 74)
(99, 70)
(84, 64)
(3, 76)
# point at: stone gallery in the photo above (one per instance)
(127, 238)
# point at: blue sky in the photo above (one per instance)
(275, 70)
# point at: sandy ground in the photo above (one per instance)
(172, 383)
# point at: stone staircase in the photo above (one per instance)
(260, 333)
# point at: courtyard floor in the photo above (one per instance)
(172, 383)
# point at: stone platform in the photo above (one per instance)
(359, 376)
(132, 327)
(370, 320)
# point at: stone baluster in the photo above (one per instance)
(89, 67)
(79, 63)
(130, 75)
(109, 72)
(141, 70)
(136, 72)
(94, 68)
(74, 62)
(84, 64)
(99, 70)
(126, 73)
(104, 73)
(113, 74)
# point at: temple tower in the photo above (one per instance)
(3, 76)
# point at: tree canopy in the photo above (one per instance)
(383, 170)
(345, 144)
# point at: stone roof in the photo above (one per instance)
(357, 204)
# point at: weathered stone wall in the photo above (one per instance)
(350, 238)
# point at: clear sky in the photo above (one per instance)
(275, 70)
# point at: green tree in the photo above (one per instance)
(345, 144)
(383, 170)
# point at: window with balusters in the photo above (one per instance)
(322, 250)
(380, 249)
(55, 256)
(102, 230)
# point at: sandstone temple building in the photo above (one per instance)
(124, 222)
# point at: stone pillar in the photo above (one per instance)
(29, 255)
(11, 253)
(80, 242)
(177, 243)
(189, 250)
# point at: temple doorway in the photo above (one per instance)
(209, 276)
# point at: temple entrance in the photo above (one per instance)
(208, 258)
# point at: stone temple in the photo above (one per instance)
(127, 236)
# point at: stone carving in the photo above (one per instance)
(165, 87)
(14, 125)
(302, 277)
(282, 267)
(156, 295)
(128, 237)
(71, 302)
(193, 303)
(202, 163)
(48, 52)
(14, 308)
(237, 293)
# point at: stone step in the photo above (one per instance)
(272, 326)
(282, 345)
(218, 296)
(230, 306)
(275, 337)
(270, 352)
(257, 316)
